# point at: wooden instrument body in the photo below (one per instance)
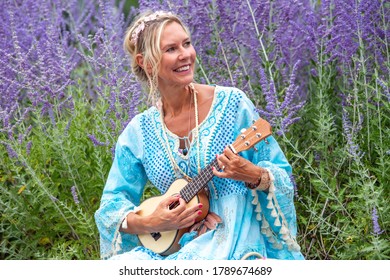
(166, 243)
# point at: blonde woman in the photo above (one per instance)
(245, 200)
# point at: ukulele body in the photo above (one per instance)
(167, 242)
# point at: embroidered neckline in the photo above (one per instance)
(176, 167)
(177, 138)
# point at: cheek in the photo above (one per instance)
(193, 53)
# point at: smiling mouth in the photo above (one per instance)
(182, 69)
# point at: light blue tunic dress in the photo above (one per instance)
(253, 221)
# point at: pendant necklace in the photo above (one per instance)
(170, 154)
(186, 139)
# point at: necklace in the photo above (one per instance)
(186, 139)
(170, 154)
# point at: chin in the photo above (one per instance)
(186, 81)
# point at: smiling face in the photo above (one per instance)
(178, 57)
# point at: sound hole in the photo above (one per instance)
(156, 235)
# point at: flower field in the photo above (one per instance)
(317, 70)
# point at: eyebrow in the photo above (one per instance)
(174, 44)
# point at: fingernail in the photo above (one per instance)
(217, 155)
(213, 168)
(200, 213)
(200, 206)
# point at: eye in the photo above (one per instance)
(187, 44)
(171, 49)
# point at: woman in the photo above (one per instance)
(250, 194)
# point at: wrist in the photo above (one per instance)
(261, 182)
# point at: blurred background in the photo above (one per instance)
(317, 70)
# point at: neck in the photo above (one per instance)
(175, 100)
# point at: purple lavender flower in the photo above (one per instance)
(385, 89)
(74, 194)
(28, 148)
(350, 133)
(376, 228)
(294, 183)
(96, 142)
(11, 152)
(53, 198)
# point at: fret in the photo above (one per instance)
(198, 182)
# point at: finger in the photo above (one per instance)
(168, 200)
(168, 204)
(222, 160)
(228, 153)
(178, 206)
(220, 163)
(190, 220)
(218, 173)
(193, 210)
(190, 214)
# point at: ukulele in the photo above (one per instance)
(167, 242)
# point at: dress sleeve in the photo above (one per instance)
(275, 208)
(122, 193)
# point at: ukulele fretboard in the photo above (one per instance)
(199, 182)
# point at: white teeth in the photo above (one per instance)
(184, 68)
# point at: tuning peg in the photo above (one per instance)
(253, 121)
(254, 148)
(243, 130)
(266, 141)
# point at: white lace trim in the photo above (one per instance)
(117, 240)
(279, 220)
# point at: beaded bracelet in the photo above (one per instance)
(262, 184)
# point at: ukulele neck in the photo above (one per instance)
(199, 182)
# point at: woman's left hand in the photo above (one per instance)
(236, 167)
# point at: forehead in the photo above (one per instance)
(173, 32)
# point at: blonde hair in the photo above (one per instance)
(143, 37)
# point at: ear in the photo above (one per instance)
(140, 61)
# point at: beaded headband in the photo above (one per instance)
(141, 26)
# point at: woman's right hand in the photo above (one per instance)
(164, 218)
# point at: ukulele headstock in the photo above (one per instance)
(257, 132)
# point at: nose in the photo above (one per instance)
(184, 53)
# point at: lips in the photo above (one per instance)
(182, 69)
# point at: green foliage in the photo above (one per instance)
(340, 157)
(41, 218)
